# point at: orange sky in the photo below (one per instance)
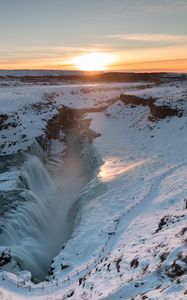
(139, 35)
(152, 59)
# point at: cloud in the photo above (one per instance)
(150, 38)
(150, 6)
(171, 65)
(164, 6)
(59, 56)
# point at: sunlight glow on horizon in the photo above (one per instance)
(95, 61)
(159, 59)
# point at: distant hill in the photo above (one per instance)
(22, 73)
(57, 76)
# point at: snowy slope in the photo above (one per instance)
(130, 233)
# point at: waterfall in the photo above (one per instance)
(39, 226)
(42, 220)
(36, 176)
(24, 229)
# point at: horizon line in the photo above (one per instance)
(99, 71)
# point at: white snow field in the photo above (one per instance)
(127, 235)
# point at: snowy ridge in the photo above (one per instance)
(129, 237)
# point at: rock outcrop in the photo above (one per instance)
(156, 111)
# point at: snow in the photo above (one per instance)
(129, 237)
(173, 94)
(29, 108)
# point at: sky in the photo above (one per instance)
(131, 35)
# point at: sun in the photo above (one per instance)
(93, 61)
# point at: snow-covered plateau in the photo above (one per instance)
(93, 189)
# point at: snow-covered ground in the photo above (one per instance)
(130, 233)
(28, 108)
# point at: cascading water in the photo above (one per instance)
(37, 229)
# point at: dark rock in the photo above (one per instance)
(183, 231)
(111, 233)
(5, 258)
(64, 266)
(134, 263)
(175, 270)
(185, 201)
(118, 264)
(108, 267)
(162, 222)
(3, 118)
(70, 294)
(50, 271)
(156, 112)
(163, 256)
